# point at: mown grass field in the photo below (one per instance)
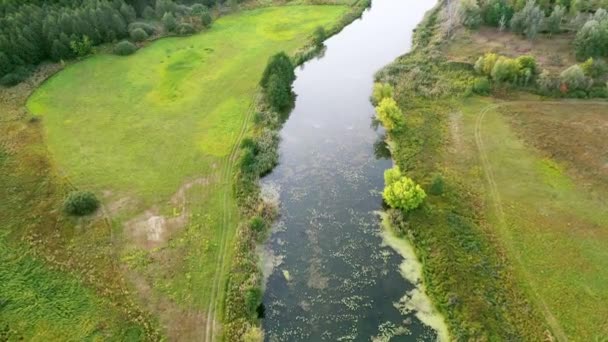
(143, 124)
(154, 135)
(553, 228)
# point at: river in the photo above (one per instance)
(334, 278)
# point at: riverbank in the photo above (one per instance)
(494, 230)
(331, 275)
(150, 252)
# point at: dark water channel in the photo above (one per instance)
(333, 277)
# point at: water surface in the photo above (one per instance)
(334, 279)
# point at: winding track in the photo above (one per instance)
(498, 207)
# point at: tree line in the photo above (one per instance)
(38, 30)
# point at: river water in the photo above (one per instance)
(334, 279)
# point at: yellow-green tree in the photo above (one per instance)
(381, 91)
(390, 115)
(401, 192)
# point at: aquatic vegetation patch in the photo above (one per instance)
(416, 300)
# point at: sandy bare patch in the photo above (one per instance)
(151, 230)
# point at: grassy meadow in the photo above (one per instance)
(513, 234)
(143, 124)
(155, 135)
(550, 224)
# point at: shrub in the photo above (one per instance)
(169, 22)
(390, 115)
(529, 20)
(81, 47)
(206, 18)
(469, 13)
(257, 224)
(253, 334)
(485, 64)
(185, 29)
(381, 91)
(138, 35)
(14, 78)
(496, 11)
(278, 93)
(80, 203)
(125, 48)
(198, 9)
(547, 83)
(149, 29)
(505, 70)
(554, 21)
(481, 86)
(280, 65)
(319, 36)
(590, 40)
(402, 193)
(599, 92)
(574, 78)
(527, 69)
(437, 185)
(594, 68)
(148, 13)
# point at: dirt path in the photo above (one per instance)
(500, 214)
(212, 326)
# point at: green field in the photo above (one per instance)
(144, 124)
(155, 135)
(553, 229)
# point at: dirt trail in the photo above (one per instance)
(500, 214)
(211, 328)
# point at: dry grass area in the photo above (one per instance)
(573, 134)
(553, 53)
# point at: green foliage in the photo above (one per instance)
(437, 185)
(257, 224)
(401, 192)
(594, 68)
(482, 86)
(206, 19)
(80, 203)
(34, 31)
(15, 77)
(169, 21)
(81, 47)
(278, 93)
(125, 48)
(547, 83)
(469, 13)
(149, 29)
(590, 40)
(485, 64)
(280, 65)
(574, 78)
(185, 29)
(389, 114)
(319, 36)
(381, 91)
(496, 11)
(521, 70)
(505, 70)
(138, 35)
(529, 20)
(554, 21)
(253, 334)
(276, 81)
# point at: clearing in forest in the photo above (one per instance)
(544, 171)
(155, 135)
